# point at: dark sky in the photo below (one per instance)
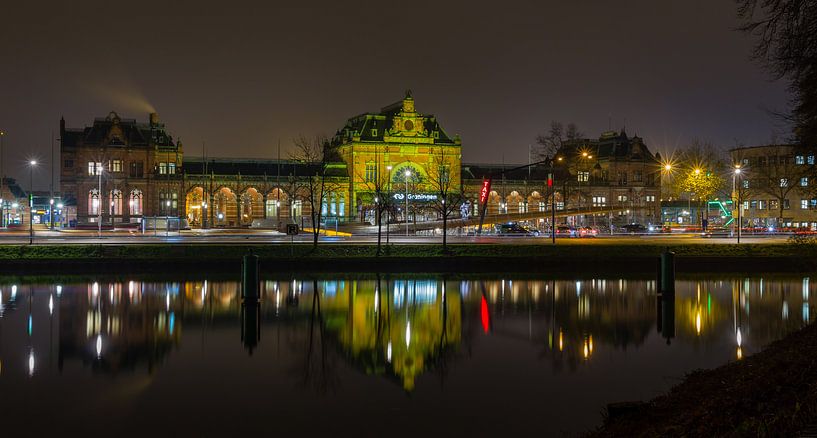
(242, 76)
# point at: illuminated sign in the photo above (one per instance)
(486, 189)
(550, 180)
(416, 196)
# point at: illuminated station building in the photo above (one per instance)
(120, 171)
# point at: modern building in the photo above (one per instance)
(776, 186)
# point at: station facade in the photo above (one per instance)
(121, 171)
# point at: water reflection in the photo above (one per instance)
(404, 330)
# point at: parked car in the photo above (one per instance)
(565, 231)
(588, 232)
(634, 229)
(514, 229)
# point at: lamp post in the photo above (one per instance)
(51, 212)
(736, 190)
(167, 218)
(408, 174)
(32, 164)
(388, 213)
(98, 168)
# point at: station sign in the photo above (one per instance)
(415, 197)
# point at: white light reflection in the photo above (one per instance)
(739, 339)
(51, 304)
(388, 352)
(167, 301)
(98, 346)
(408, 334)
(31, 363)
(13, 291)
(95, 289)
(59, 290)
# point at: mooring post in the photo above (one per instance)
(249, 278)
(667, 272)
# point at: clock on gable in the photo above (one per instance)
(408, 125)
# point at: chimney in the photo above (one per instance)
(154, 119)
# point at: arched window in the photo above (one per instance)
(93, 202)
(116, 202)
(135, 202)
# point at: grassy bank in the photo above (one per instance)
(771, 393)
(631, 258)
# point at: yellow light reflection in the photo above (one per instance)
(561, 340)
(698, 322)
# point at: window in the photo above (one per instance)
(804, 181)
(168, 201)
(583, 176)
(622, 198)
(786, 204)
(784, 182)
(444, 174)
(94, 168)
(371, 171)
(162, 168)
(799, 159)
(774, 204)
(810, 160)
(650, 198)
(745, 205)
(761, 205)
(813, 204)
(171, 168)
(804, 204)
(560, 205)
(68, 164)
(622, 178)
(599, 201)
(436, 134)
(93, 203)
(374, 132)
(116, 165)
(745, 161)
(637, 176)
(116, 202)
(753, 204)
(746, 184)
(135, 202)
(137, 169)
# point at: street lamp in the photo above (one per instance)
(736, 190)
(51, 212)
(408, 174)
(388, 213)
(32, 164)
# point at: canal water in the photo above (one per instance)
(367, 355)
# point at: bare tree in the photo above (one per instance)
(785, 33)
(376, 180)
(774, 176)
(556, 137)
(444, 180)
(314, 187)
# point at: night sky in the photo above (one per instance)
(242, 77)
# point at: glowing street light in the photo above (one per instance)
(32, 165)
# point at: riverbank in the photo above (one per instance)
(771, 393)
(327, 257)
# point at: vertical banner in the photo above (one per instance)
(484, 194)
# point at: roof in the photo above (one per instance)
(610, 146)
(479, 171)
(392, 122)
(116, 131)
(259, 167)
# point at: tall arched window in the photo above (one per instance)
(116, 202)
(93, 202)
(135, 202)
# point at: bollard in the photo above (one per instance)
(249, 277)
(667, 272)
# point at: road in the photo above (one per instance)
(44, 237)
